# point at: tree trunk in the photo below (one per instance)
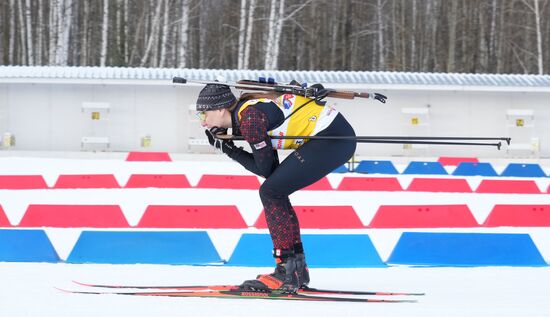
(203, 33)
(28, 29)
(11, 40)
(278, 31)
(104, 33)
(242, 35)
(453, 15)
(539, 38)
(22, 34)
(64, 19)
(381, 44)
(153, 35)
(249, 30)
(492, 34)
(184, 37)
(412, 66)
(39, 35)
(270, 36)
(483, 47)
(165, 32)
(126, 33)
(84, 38)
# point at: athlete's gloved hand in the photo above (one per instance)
(224, 146)
(378, 97)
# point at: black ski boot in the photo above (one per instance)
(301, 265)
(302, 269)
(285, 278)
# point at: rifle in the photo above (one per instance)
(318, 92)
(315, 91)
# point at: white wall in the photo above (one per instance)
(48, 116)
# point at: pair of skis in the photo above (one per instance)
(235, 292)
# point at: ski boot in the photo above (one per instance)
(285, 278)
(301, 265)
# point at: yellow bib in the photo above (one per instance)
(306, 121)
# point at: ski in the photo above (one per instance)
(242, 294)
(198, 288)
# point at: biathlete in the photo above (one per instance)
(256, 117)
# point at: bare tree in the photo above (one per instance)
(22, 33)
(39, 33)
(28, 30)
(184, 36)
(11, 40)
(453, 16)
(63, 19)
(381, 42)
(410, 35)
(104, 33)
(538, 31)
(242, 34)
(164, 33)
(413, 37)
(153, 36)
(249, 30)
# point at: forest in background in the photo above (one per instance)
(460, 36)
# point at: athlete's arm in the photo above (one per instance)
(263, 160)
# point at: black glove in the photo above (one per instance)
(321, 92)
(225, 146)
(379, 97)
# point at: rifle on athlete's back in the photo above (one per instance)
(316, 91)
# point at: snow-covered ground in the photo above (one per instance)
(30, 290)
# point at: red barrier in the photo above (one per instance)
(449, 185)
(157, 180)
(22, 182)
(497, 186)
(4, 222)
(74, 216)
(322, 217)
(86, 181)
(455, 161)
(428, 216)
(370, 184)
(322, 184)
(519, 216)
(148, 157)
(229, 181)
(192, 217)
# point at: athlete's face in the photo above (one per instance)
(212, 118)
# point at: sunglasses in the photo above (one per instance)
(201, 115)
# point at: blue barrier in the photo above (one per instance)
(523, 170)
(26, 246)
(425, 168)
(376, 167)
(130, 247)
(322, 250)
(474, 169)
(466, 249)
(342, 169)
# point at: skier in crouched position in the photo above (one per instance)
(256, 117)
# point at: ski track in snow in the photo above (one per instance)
(29, 289)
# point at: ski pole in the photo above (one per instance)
(387, 140)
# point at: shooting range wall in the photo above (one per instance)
(133, 109)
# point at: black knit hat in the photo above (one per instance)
(214, 97)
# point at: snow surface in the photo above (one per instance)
(30, 290)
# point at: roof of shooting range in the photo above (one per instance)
(340, 78)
